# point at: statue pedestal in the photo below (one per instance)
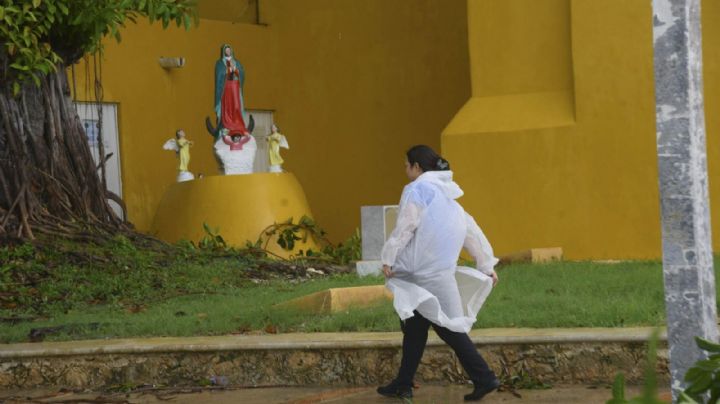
(239, 206)
(237, 161)
(185, 176)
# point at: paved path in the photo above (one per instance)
(302, 395)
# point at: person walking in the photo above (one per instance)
(429, 288)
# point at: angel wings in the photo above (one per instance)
(283, 142)
(171, 145)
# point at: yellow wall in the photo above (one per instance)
(711, 67)
(352, 84)
(556, 147)
(245, 11)
(361, 82)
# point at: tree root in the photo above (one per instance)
(48, 180)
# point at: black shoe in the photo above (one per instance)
(395, 391)
(481, 390)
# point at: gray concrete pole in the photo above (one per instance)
(682, 162)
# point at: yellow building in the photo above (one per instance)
(547, 105)
(351, 84)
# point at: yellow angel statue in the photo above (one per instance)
(276, 140)
(181, 146)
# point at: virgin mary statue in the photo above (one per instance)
(233, 128)
(229, 103)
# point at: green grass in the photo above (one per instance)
(576, 294)
(228, 310)
(125, 288)
(562, 294)
(62, 276)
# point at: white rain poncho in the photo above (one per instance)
(423, 250)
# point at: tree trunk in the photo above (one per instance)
(48, 180)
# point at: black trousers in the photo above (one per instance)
(415, 333)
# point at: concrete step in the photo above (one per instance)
(339, 299)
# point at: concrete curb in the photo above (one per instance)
(316, 341)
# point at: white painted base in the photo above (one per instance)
(185, 176)
(365, 268)
(236, 161)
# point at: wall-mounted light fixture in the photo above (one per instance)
(171, 63)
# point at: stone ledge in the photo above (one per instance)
(534, 255)
(570, 356)
(560, 363)
(305, 341)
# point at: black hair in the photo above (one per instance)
(426, 158)
(177, 132)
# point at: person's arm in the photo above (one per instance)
(407, 222)
(226, 141)
(479, 247)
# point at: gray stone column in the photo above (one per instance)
(682, 161)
